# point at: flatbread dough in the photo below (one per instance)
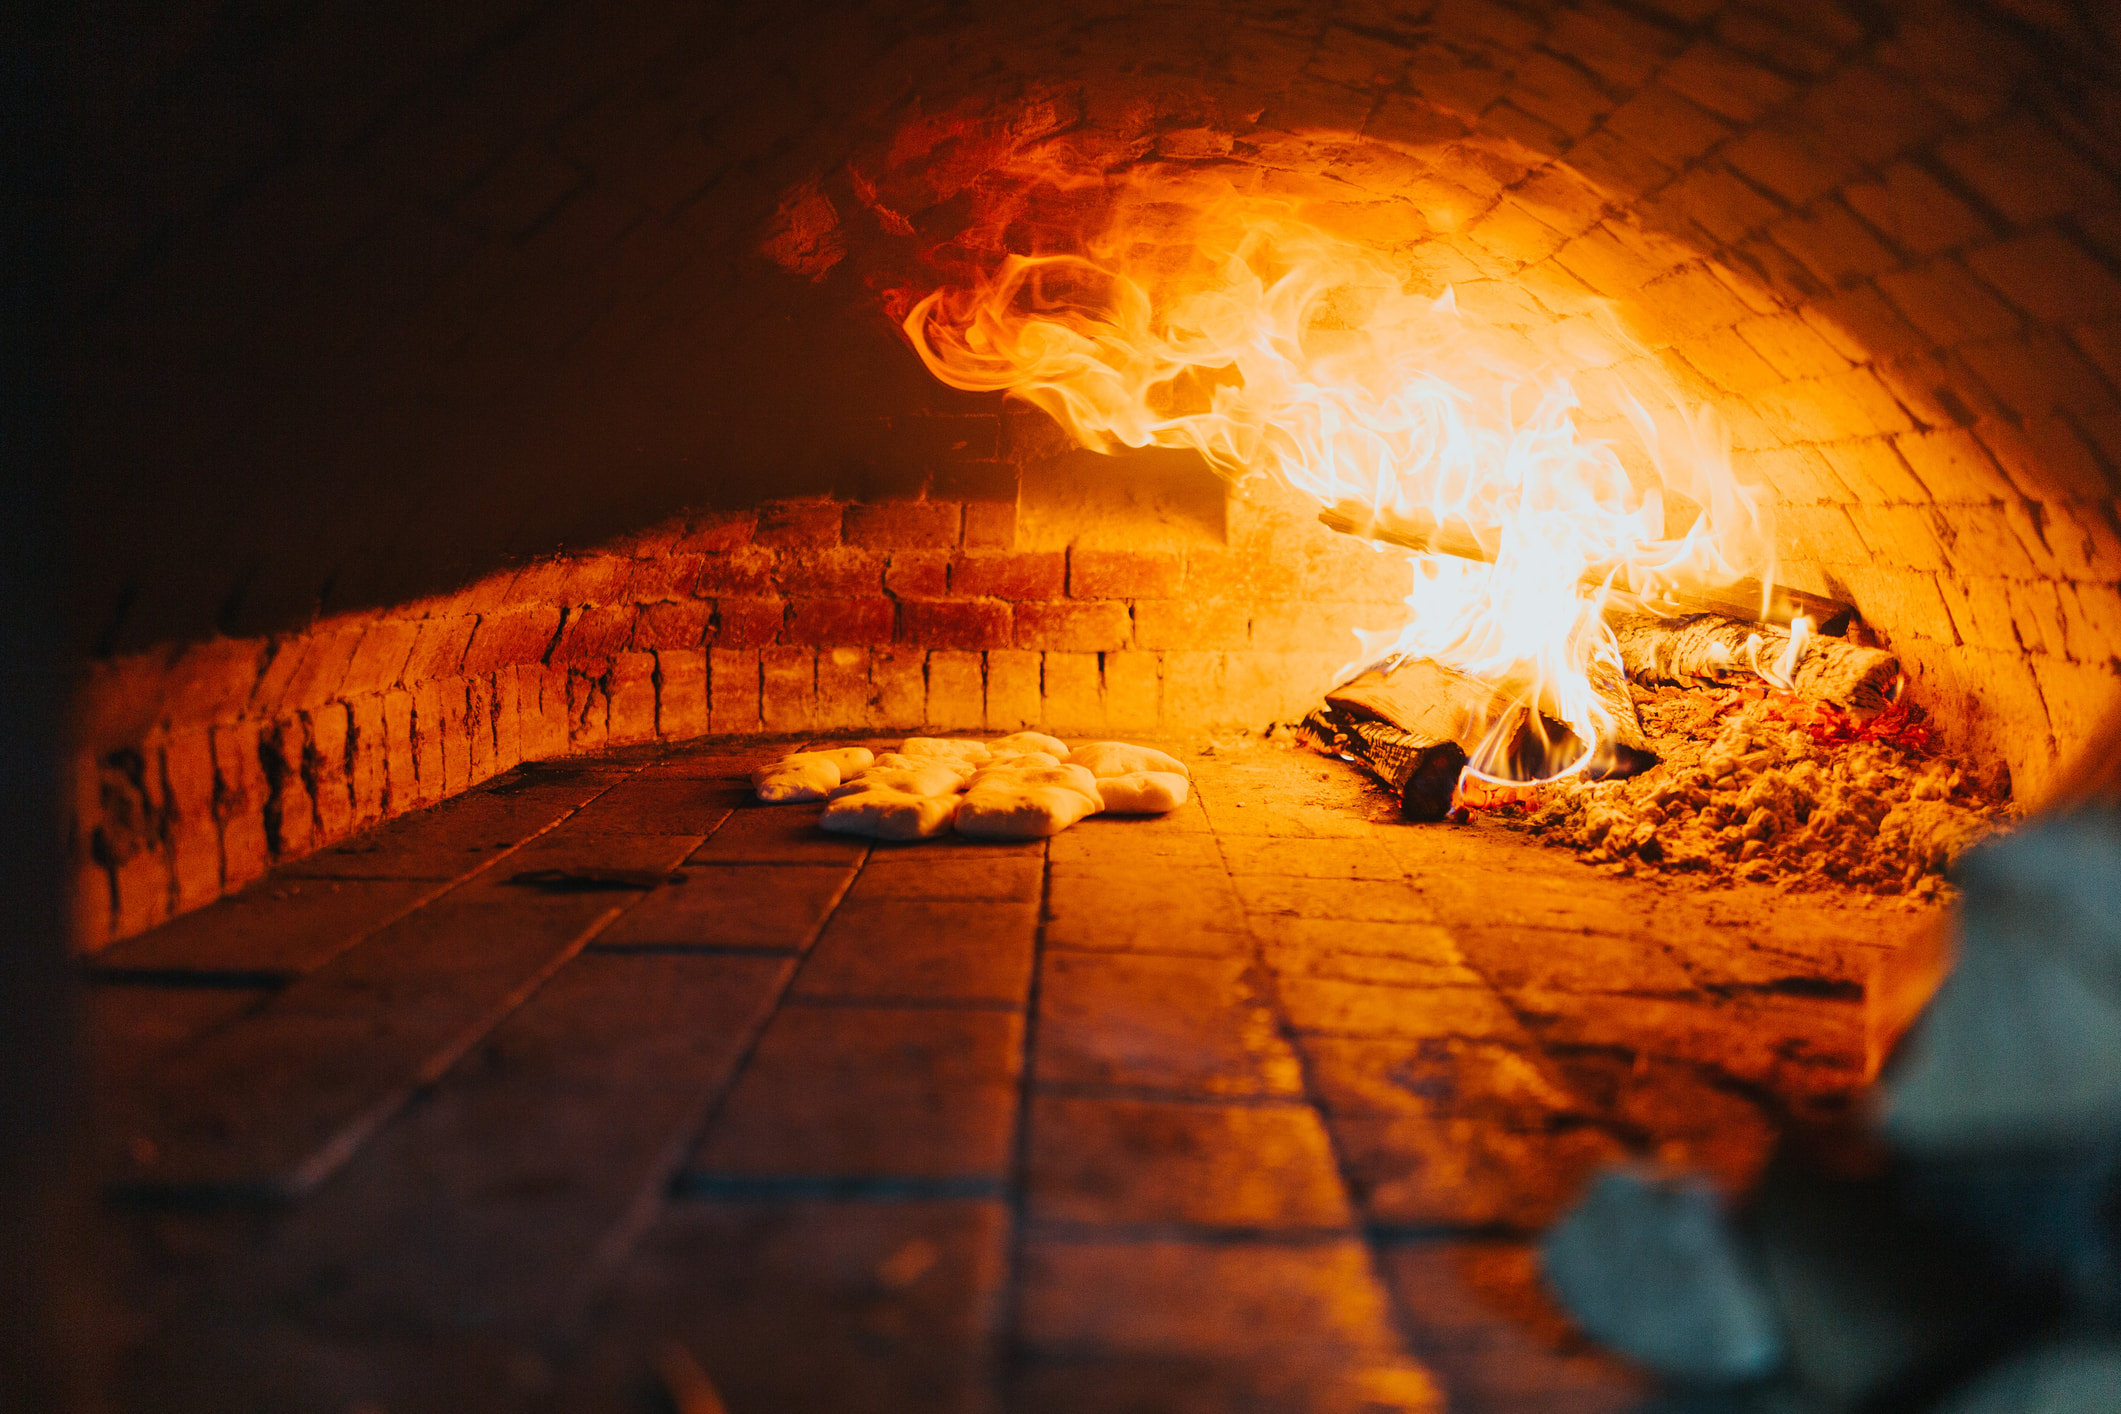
(900, 760)
(782, 783)
(1017, 743)
(997, 811)
(884, 814)
(1142, 792)
(1117, 758)
(926, 778)
(1011, 774)
(944, 746)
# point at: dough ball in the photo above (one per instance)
(1021, 758)
(802, 780)
(997, 811)
(949, 747)
(883, 814)
(1017, 743)
(1117, 758)
(928, 778)
(1142, 792)
(899, 760)
(1012, 775)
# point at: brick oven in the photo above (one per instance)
(491, 427)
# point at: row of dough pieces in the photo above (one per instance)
(1022, 787)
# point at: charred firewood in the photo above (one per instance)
(1422, 770)
(1745, 599)
(1711, 646)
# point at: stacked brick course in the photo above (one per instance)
(203, 766)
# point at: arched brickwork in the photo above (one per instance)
(377, 321)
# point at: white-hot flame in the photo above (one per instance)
(1242, 327)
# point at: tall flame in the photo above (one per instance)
(1241, 325)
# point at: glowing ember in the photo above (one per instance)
(1246, 326)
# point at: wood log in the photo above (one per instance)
(1658, 649)
(1414, 722)
(1743, 599)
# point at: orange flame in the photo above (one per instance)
(1244, 326)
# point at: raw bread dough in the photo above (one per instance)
(1117, 758)
(1017, 743)
(998, 811)
(782, 782)
(808, 775)
(923, 778)
(1012, 774)
(884, 814)
(1024, 758)
(1142, 792)
(949, 747)
(900, 760)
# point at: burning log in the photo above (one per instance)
(1658, 649)
(1742, 599)
(1413, 724)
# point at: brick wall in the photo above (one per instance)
(376, 315)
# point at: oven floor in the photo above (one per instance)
(1258, 1106)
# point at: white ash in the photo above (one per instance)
(1747, 788)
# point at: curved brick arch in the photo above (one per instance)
(378, 322)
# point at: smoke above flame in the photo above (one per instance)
(1270, 335)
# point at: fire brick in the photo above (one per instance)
(1071, 624)
(990, 525)
(676, 626)
(1122, 574)
(717, 531)
(911, 525)
(632, 697)
(1132, 687)
(439, 651)
(400, 761)
(1012, 690)
(324, 764)
(541, 711)
(519, 635)
(845, 571)
(898, 682)
(918, 574)
(588, 710)
(368, 768)
(826, 621)
(680, 693)
(956, 690)
(799, 524)
(960, 624)
(788, 688)
(1003, 576)
(1190, 623)
(507, 720)
(593, 633)
(842, 688)
(194, 838)
(747, 571)
(427, 710)
(1074, 691)
(733, 690)
(748, 623)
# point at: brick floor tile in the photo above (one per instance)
(1316, 1004)
(1360, 900)
(584, 1090)
(1247, 814)
(1579, 961)
(645, 806)
(278, 927)
(1142, 906)
(1311, 859)
(1688, 1115)
(1302, 1324)
(1191, 1025)
(1440, 1078)
(777, 834)
(917, 874)
(1423, 1172)
(809, 1307)
(1382, 969)
(734, 906)
(1159, 1161)
(129, 1024)
(566, 849)
(919, 950)
(1486, 1326)
(872, 1092)
(272, 1105)
(1425, 943)
(705, 762)
(1109, 838)
(1800, 1047)
(448, 840)
(1579, 901)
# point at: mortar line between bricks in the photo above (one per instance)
(1403, 1324)
(1003, 1342)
